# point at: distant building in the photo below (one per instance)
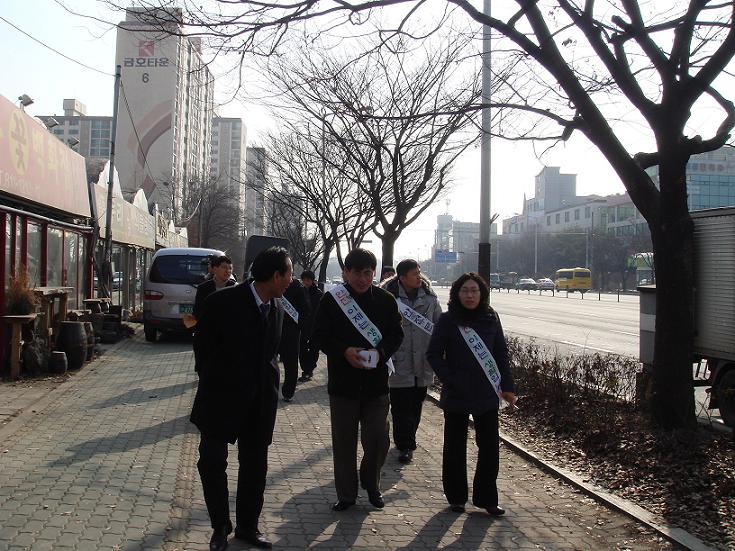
(255, 194)
(228, 163)
(710, 179)
(87, 135)
(165, 109)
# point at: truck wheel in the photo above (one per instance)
(150, 333)
(726, 398)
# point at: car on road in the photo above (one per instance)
(545, 284)
(494, 281)
(526, 284)
(170, 288)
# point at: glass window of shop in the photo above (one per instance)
(55, 258)
(34, 254)
(18, 243)
(117, 267)
(71, 272)
(9, 233)
(83, 271)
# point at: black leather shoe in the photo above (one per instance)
(254, 538)
(457, 508)
(376, 499)
(405, 456)
(342, 505)
(219, 538)
(495, 511)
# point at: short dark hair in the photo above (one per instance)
(308, 274)
(405, 266)
(360, 259)
(217, 260)
(455, 304)
(269, 261)
(385, 271)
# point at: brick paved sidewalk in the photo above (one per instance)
(110, 463)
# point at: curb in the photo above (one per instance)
(37, 407)
(675, 535)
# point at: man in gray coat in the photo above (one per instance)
(420, 309)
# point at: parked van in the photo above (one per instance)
(170, 287)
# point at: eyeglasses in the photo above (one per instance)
(469, 291)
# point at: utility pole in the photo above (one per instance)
(105, 278)
(483, 261)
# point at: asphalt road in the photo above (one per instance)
(571, 324)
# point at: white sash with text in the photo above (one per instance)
(414, 317)
(289, 308)
(484, 358)
(358, 318)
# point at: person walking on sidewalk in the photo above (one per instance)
(469, 354)
(296, 309)
(237, 340)
(309, 354)
(413, 374)
(358, 327)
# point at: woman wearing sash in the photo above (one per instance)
(469, 354)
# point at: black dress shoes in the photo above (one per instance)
(405, 456)
(342, 505)
(376, 499)
(219, 538)
(495, 511)
(254, 538)
(457, 508)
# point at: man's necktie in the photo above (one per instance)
(264, 309)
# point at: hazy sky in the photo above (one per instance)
(29, 68)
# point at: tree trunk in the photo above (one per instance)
(325, 262)
(389, 243)
(672, 234)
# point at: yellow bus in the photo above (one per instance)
(573, 279)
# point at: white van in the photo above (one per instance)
(170, 287)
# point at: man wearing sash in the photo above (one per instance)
(358, 327)
(236, 342)
(469, 354)
(420, 309)
(296, 310)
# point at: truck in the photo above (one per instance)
(714, 309)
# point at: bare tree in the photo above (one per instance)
(310, 176)
(399, 118)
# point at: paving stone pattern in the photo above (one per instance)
(110, 463)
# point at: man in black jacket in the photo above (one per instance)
(236, 343)
(358, 327)
(308, 353)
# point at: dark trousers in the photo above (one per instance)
(289, 352)
(253, 466)
(405, 407)
(308, 355)
(454, 461)
(370, 417)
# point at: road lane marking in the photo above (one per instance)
(624, 332)
(589, 347)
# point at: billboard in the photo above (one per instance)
(445, 257)
(37, 166)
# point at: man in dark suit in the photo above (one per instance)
(309, 354)
(237, 339)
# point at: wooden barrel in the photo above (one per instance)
(89, 329)
(72, 339)
(57, 362)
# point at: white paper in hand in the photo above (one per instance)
(369, 358)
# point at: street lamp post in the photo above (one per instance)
(483, 262)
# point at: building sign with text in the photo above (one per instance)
(37, 166)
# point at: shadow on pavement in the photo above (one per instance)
(140, 395)
(124, 441)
